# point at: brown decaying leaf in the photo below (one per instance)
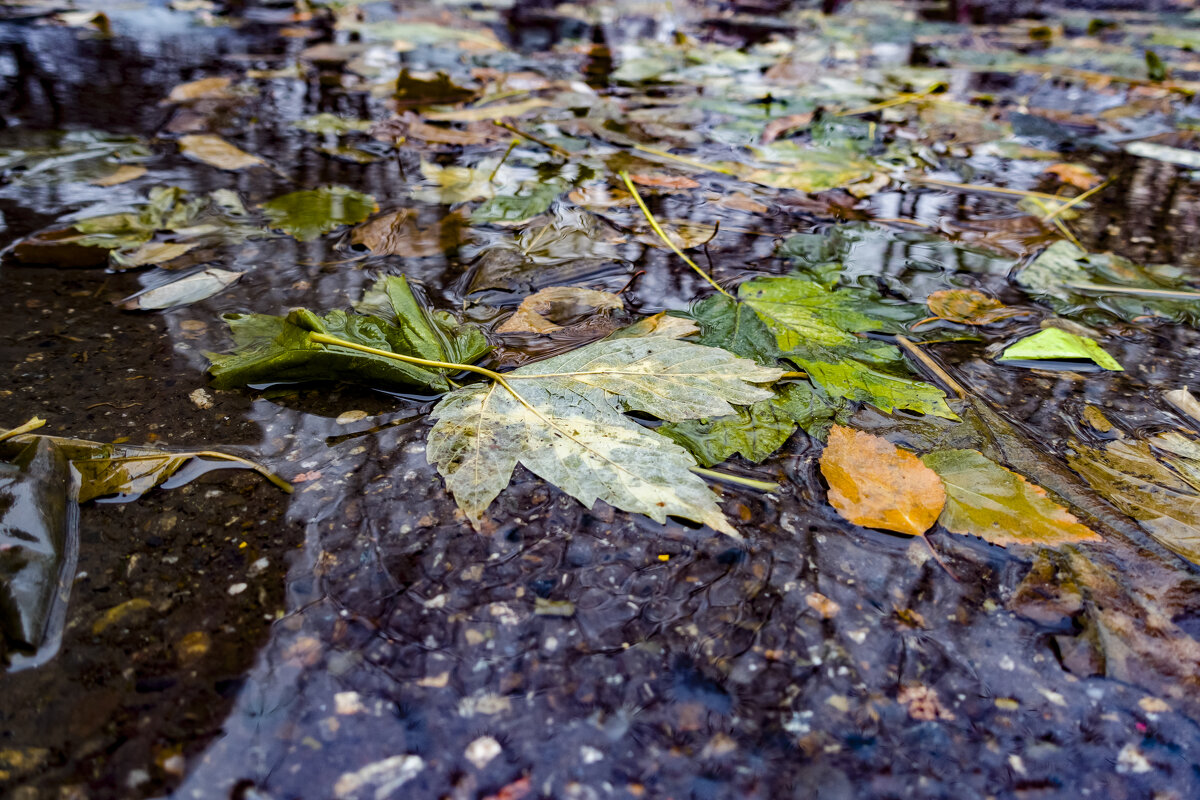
(661, 180)
(1077, 175)
(216, 152)
(777, 127)
(124, 174)
(203, 89)
(876, 484)
(396, 233)
(561, 301)
(969, 307)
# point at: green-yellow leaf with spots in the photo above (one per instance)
(563, 419)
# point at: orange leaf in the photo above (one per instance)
(1076, 175)
(876, 484)
(969, 307)
(663, 181)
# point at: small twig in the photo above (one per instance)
(1172, 294)
(32, 425)
(691, 162)
(548, 145)
(1074, 201)
(629, 282)
(932, 366)
(898, 100)
(662, 234)
(512, 146)
(762, 486)
(939, 560)
(969, 187)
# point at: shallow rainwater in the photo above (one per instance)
(357, 638)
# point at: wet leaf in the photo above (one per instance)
(969, 307)
(536, 311)
(489, 112)
(815, 327)
(273, 349)
(1055, 343)
(1161, 490)
(986, 500)
(308, 214)
(412, 90)
(1080, 176)
(151, 253)
(563, 421)
(188, 289)
(456, 184)
(327, 123)
(123, 174)
(202, 89)
(875, 484)
(663, 181)
(1075, 282)
(397, 233)
(1165, 153)
(530, 200)
(216, 152)
(755, 431)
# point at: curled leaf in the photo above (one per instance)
(969, 307)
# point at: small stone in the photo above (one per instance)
(201, 398)
(1130, 759)
(347, 417)
(481, 751)
(1153, 705)
(590, 755)
(346, 703)
(192, 647)
(438, 681)
(818, 602)
(236, 588)
(385, 777)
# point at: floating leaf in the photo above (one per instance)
(188, 289)
(308, 214)
(273, 349)
(969, 307)
(535, 311)
(1055, 343)
(755, 431)
(414, 91)
(562, 419)
(986, 500)
(152, 253)
(216, 152)
(489, 112)
(876, 484)
(1161, 490)
(1080, 176)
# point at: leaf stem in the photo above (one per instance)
(968, 187)
(750, 483)
(794, 375)
(259, 468)
(32, 425)
(1074, 201)
(424, 362)
(691, 162)
(508, 126)
(512, 146)
(662, 234)
(1134, 290)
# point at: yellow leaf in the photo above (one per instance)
(124, 174)
(216, 152)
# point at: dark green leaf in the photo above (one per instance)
(310, 213)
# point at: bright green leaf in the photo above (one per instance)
(1055, 343)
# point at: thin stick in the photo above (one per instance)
(662, 235)
(968, 187)
(548, 145)
(259, 468)
(1177, 294)
(691, 162)
(898, 100)
(762, 486)
(512, 146)
(1074, 201)
(932, 366)
(32, 425)
(939, 560)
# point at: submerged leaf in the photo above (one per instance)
(530, 201)
(310, 213)
(1075, 282)
(398, 234)
(875, 484)
(562, 419)
(123, 174)
(281, 349)
(455, 184)
(986, 500)
(1055, 343)
(1159, 490)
